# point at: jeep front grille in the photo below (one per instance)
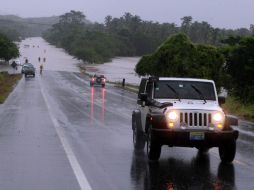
(195, 119)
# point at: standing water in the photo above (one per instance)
(52, 58)
(120, 68)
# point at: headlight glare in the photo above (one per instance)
(172, 115)
(217, 117)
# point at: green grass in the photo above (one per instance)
(129, 87)
(235, 107)
(7, 83)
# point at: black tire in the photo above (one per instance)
(153, 148)
(203, 150)
(227, 152)
(138, 137)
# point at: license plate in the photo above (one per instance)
(197, 136)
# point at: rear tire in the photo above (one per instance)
(153, 148)
(227, 151)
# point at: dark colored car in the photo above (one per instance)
(28, 70)
(98, 80)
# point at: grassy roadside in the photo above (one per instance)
(7, 83)
(129, 87)
(234, 107)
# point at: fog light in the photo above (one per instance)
(171, 125)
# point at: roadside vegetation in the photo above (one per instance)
(128, 35)
(7, 83)
(236, 107)
(8, 49)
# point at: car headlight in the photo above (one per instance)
(172, 115)
(218, 117)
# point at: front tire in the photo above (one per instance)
(227, 151)
(203, 150)
(138, 137)
(153, 148)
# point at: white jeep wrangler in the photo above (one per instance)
(182, 112)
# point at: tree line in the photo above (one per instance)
(231, 65)
(128, 35)
(17, 28)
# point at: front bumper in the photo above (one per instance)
(182, 138)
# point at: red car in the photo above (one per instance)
(98, 81)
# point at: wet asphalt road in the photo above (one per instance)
(57, 133)
(96, 125)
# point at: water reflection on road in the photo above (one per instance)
(171, 174)
(97, 94)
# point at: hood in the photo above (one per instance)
(193, 105)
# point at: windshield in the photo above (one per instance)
(184, 90)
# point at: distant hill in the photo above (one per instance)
(16, 27)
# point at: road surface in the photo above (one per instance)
(57, 133)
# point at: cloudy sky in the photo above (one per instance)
(219, 13)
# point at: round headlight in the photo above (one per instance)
(218, 117)
(172, 115)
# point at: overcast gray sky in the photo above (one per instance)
(219, 13)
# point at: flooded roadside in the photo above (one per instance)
(58, 60)
(120, 68)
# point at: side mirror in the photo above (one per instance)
(221, 100)
(143, 97)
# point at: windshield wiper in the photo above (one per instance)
(173, 90)
(199, 92)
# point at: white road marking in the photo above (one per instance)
(79, 174)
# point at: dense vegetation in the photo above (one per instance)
(179, 57)
(240, 67)
(17, 28)
(8, 49)
(128, 35)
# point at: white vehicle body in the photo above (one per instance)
(182, 112)
(190, 107)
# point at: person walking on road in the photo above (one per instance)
(41, 68)
(39, 59)
(44, 59)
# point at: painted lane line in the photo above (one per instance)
(78, 172)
